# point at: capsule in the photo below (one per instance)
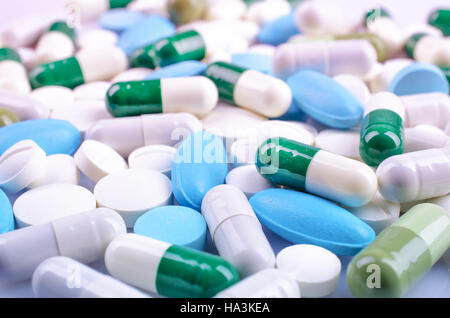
(91, 9)
(401, 254)
(88, 65)
(428, 48)
(63, 277)
(56, 44)
(250, 89)
(415, 176)
(236, 231)
(129, 133)
(268, 283)
(13, 74)
(83, 237)
(441, 19)
(184, 11)
(196, 95)
(7, 117)
(355, 57)
(428, 108)
(169, 270)
(307, 168)
(382, 133)
(424, 137)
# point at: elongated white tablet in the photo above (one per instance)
(92, 91)
(133, 74)
(54, 97)
(279, 128)
(355, 86)
(248, 180)
(60, 168)
(315, 268)
(96, 160)
(20, 165)
(341, 142)
(154, 157)
(132, 192)
(50, 202)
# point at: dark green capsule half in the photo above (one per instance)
(382, 136)
(7, 53)
(63, 28)
(373, 14)
(113, 4)
(285, 162)
(446, 71)
(441, 20)
(185, 272)
(225, 76)
(134, 98)
(410, 45)
(180, 47)
(65, 72)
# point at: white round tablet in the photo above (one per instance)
(133, 74)
(154, 157)
(54, 97)
(133, 192)
(60, 169)
(50, 202)
(97, 37)
(248, 180)
(355, 86)
(341, 142)
(96, 160)
(279, 128)
(20, 165)
(243, 152)
(315, 269)
(92, 91)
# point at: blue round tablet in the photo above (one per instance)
(173, 224)
(279, 30)
(118, 20)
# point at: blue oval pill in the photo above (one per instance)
(118, 20)
(418, 78)
(252, 61)
(199, 164)
(54, 136)
(6, 214)
(181, 69)
(302, 218)
(279, 30)
(173, 224)
(324, 99)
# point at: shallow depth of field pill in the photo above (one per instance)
(247, 179)
(155, 157)
(59, 168)
(6, 214)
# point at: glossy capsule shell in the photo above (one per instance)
(90, 9)
(428, 48)
(307, 168)
(253, 90)
(382, 133)
(428, 108)
(401, 254)
(169, 270)
(13, 74)
(197, 95)
(441, 19)
(56, 44)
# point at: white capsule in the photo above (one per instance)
(263, 12)
(236, 231)
(23, 106)
(54, 46)
(86, 10)
(422, 137)
(63, 277)
(13, 76)
(25, 31)
(415, 176)
(340, 142)
(268, 283)
(389, 32)
(429, 108)
(97, 37)
(380, 82)
(28, 57)
(433, 49)
(225, 10)
(83, 237)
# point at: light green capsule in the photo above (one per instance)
(7, 117)
(184, 11)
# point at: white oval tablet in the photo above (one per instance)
(97, 37)
(60, 169)
(92, 91)
(133, 192)
(315, 269)
(248, 180)
(243, 152)
(20, 165)
(50, 202)
(341, 142)
(132, 74)
(279, 128)
(96, 160)
(355, 86)
(54, 97)
(154, 157)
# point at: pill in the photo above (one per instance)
(279, 30)
(88, 65)
(314, 268)
(382, 131)
(288, 130)
(294, 113)
(446, 71)
(97, 160)
(443, 202)
(382, 74)
(324, 99)
(355, 86)
(173, 224)
(6, 214)
(263, 12)
(53, 97)
(24, 107)
(92, 91)
(25, 31)
(242, 152)
(182, 11)
(132, 74)
(42, 132)
(149, 7)
(167, 269)
(268, 283)
(83, 237)
(27, 56)
(20, 165)
(354, 57)
(307, 168)
(180, 69)
(428, 48)
(7, 117)
(54, 278)
(422, 137)
(127, 134)
(91, 9)
(262, 49)
(225, 10)
(118, 20)
(96, 37)
(415, 176)
(248, 180)
(250, 89)
(58, 168)
(341, 142)
(154, 157)
(235, 230)
(197, 95)
(440, 19)
(199, 164)
(57, 43)
(302, 218)
(13, 75)
(252, 61)
(413, 244)
(428, 108)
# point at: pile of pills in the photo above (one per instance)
(174, 140)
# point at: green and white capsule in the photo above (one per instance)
(382, 132)
(428, 48)
(56, 44)
(13, 75)
(196, 95)
(166, 269)
(253, 90)
(88, 65)
(307, 168)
